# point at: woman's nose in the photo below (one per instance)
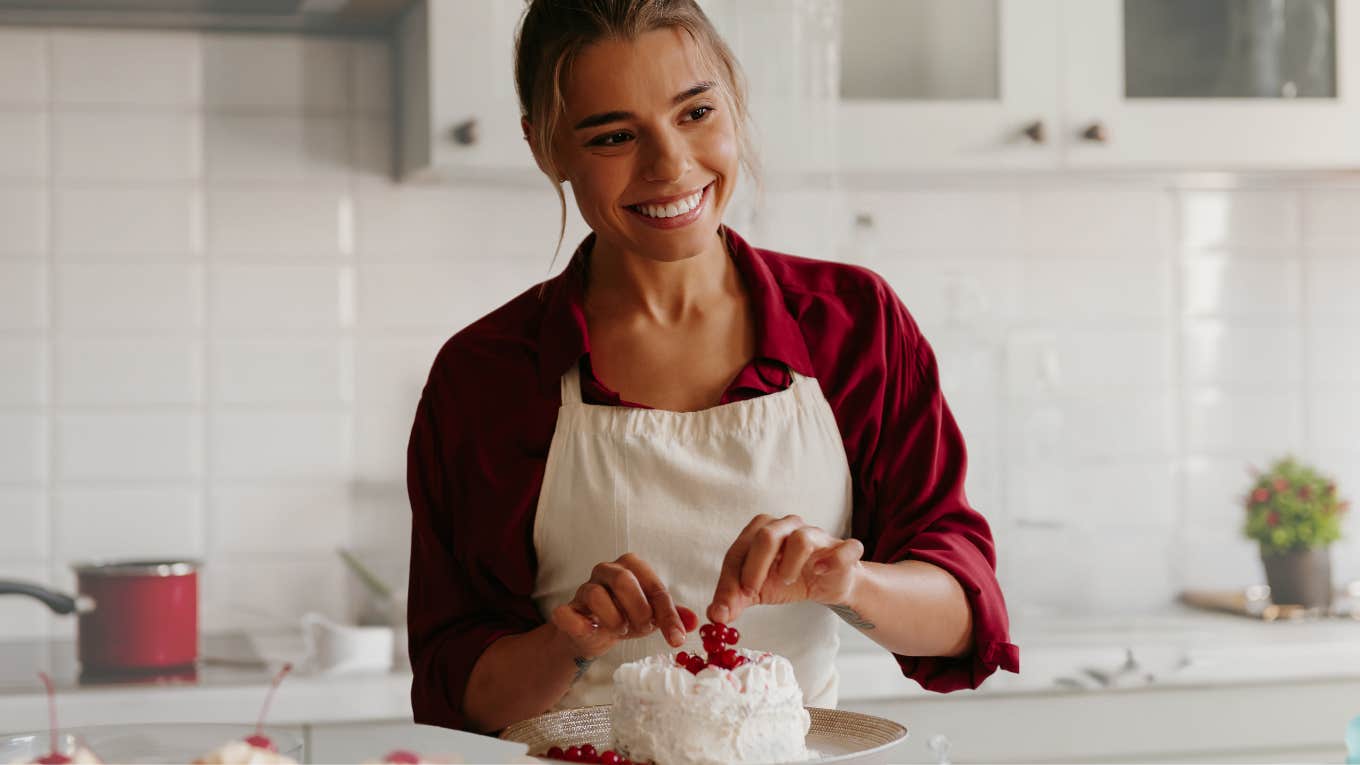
(669, 159)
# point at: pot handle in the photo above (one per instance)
(58, 602)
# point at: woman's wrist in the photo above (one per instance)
(849, 605)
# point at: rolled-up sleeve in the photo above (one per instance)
(915, 488)
(456, 607)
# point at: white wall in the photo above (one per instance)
(216, 313)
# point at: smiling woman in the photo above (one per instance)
(679, 420)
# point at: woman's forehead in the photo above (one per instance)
(642, 74)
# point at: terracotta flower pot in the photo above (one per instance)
(1300, 577)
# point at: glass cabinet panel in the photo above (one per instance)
(1230, 48)
(921, 50)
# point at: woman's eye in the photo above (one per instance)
(699, 113)
(612, 139)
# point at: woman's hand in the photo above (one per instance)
(624, 599)
(784, 560)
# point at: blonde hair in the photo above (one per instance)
(553, 32)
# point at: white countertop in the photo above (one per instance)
(1179, 648)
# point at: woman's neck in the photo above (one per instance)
(665, 292)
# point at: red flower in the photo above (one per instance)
(1260, 495)
(1272, 519)
(1305, 492)
(1281, 484)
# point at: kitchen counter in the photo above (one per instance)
(1179, 649)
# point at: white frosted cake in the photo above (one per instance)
(666, 713)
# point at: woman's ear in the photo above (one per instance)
(524, 127)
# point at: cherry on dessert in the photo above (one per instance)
(707, 632)
(53, 757)
(712, 645)
(402, 757)
(696, 664)
(259, 740)
(730, 635)
(555, 753)
(727, 659)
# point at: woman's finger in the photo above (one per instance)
(799, 546)
(600, 604)
(662, 607)
(768, 541)
(727, 594)
(578, 626)
(627, 593)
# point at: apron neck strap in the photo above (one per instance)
(571, 384)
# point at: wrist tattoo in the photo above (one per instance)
(852, 617)
(582, 664)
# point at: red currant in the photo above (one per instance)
(610, 757)
(682, 658)
(728, 659)
(696, 664)
(573, 754)
(588, 751)
(712, 645)
(555, 753)
(707, 632)
(740, 661)
(731, 636)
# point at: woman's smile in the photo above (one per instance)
(673, 212)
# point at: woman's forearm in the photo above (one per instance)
(912, 608)
(520, 676)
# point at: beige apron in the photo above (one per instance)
(675, 488)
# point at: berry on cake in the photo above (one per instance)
(730, 706)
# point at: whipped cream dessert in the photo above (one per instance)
(243, 753)
(671, 715)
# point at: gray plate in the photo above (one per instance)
(163, 742)
(836, 736)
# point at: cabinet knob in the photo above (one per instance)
(1096, 133)
(465, 132)
(1035, 132)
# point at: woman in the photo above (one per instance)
(679, 421)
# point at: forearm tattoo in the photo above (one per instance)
(582, 664)
(852, 617)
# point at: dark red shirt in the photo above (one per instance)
(488, 410)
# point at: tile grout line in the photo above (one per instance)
(50, 321)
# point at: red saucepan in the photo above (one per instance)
(134, 615)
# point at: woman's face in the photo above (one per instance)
(649, 145)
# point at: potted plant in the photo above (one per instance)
(1294, 513)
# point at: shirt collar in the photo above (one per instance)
(563, 338)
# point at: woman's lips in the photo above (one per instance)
(684, 219)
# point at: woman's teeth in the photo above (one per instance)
(678, 207)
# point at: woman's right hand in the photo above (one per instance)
(624, 599)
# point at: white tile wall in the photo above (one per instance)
(217, 311)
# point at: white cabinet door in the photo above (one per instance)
(948, 85)
(1211, 84)
(460, 113)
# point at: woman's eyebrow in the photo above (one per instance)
(604, 118)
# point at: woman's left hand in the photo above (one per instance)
(784, 560)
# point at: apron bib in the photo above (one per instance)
(675, 489)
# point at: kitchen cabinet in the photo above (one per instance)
(948, 84)
(459, 115)
(1214, 84)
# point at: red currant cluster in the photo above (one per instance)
(716, 637)
(587, 753)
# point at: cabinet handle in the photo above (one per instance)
(1035, 131)
(464, 133)
(1096, 133)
